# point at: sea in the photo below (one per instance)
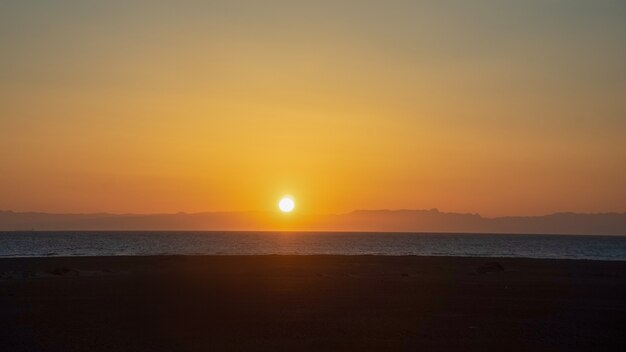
(136, 243)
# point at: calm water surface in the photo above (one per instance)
(39, 244)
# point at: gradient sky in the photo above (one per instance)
(496, 107)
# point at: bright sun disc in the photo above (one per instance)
(286, 205)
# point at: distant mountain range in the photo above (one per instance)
(360, 220)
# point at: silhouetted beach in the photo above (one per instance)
(191, 303)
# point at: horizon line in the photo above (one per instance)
(433, 210)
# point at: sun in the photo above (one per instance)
(286, 204)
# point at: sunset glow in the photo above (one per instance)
(177, 106)
(321, 175)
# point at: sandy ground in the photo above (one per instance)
(317, 303)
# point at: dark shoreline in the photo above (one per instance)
(311, 302)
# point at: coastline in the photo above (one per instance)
(310, 302)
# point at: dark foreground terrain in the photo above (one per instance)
(295, 303)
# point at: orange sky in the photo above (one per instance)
(496, 107)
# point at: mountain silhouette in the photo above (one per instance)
(360, 220)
